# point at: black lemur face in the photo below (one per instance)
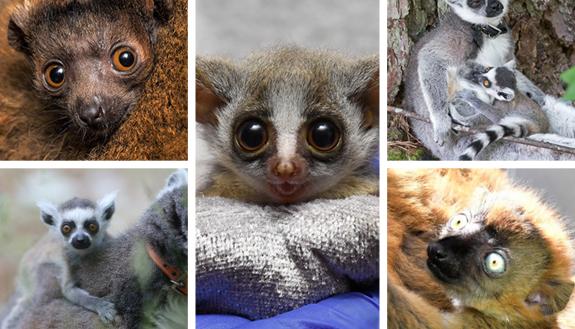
(90, 59)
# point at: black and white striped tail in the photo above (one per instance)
(511, 126)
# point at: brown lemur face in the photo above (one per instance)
(496, 258)
(292, 123)
(90, 58)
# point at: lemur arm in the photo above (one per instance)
(81, 297)
(528, 88)
(432, 75)
(468, 97)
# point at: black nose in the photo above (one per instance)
(92, 116)
(81, 242)
(436, 252)
(494, 8)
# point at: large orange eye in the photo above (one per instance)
(323, 135)
(55, 76)
(252, 135)
(123, 59)
(486, 83)
(66, 229)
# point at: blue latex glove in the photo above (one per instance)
(352, 310)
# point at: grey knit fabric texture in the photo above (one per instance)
(259, 261)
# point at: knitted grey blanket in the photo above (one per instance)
(258, 261)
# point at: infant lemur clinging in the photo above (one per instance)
(290, 124)
(77, 228)
(89, 58)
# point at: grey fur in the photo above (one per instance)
(57, 251)
(449, 45)
(111, 271)
(289, 87)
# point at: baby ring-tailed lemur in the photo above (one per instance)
(77, 227)
(493, 93)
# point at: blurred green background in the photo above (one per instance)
(20, 224)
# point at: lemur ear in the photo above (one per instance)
(48, 213)
(107, 205)
(161, 10)
(176, 179)
(552, 297)
(17, 36)
(364, 89)
(215, 79)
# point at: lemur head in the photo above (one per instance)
(80, 223)
(90, 58)
(498, 82)
(483, 12)
(290, 123)
(506, 256)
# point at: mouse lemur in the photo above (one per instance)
(77, 228)
(289, 124)
(89, 58)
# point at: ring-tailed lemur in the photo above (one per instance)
(473, 29)
(516, 114)
(77, 228)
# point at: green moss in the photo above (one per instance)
(569, 78)
(400, 155)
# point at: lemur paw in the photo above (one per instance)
(107, 312)
(441, 137)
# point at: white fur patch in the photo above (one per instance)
(495, 51)
(78, 214)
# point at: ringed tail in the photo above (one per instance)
(510, 126)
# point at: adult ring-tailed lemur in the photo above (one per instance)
(473, 29)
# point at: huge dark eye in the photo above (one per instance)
(123, 59)
(323, 135)
(54, 75)
(486, 83)
(252, 135)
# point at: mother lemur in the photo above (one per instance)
(472, 30)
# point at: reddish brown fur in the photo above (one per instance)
(419, 202)
(157, 128)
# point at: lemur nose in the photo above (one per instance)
(93, 115)
(285, 169)
(436, 251)
(496, 6)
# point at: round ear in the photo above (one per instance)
(17, 27)
(364, 89)
(107, 205)
(48, 213)
(215, 80)
(551, 297)
(161, 10)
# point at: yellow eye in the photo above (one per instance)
(55, 76)
(458, 222)
(93, 228)
(486, 83)
(66, 229)
(123, 59)
(495, 263)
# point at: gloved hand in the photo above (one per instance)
(350, 310)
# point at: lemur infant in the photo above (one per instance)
(77, 227)
(90, 58)
(289, 125)
(492, 92)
